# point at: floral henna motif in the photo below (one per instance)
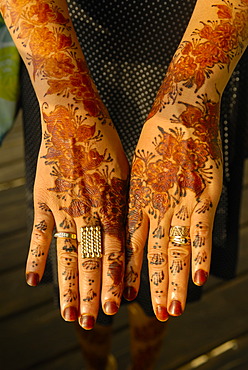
(178, 165)
(81, 174)
(214, 44)
(54, 60)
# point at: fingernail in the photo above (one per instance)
(87, 322)
(162, 313)
(32, 278)
(70, 314)
(200, 277)
(110, 308)
(130, 293)
(175, 308)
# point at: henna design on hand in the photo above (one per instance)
(44, 207)
(116, 271)
(91, 265)
(70, 295)
(200, 258)
(216, 43)
(131, 276)
(202, 231)
(179, 255)
(42, 226)
(66, 224)
(204, 206)
(178, 165)
(183, 213)
(90, 296)
(157, 259)
(157, 277)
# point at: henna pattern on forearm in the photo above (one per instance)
(213, 44)
(83, 175)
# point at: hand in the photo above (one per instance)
(80, 181)
(176, 180)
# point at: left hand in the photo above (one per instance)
(176, 180)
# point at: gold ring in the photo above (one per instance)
(91, 242)
(180, 234)
(65, 235)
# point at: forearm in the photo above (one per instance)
(212, 45)
(46, 40)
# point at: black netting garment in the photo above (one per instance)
(128, 46)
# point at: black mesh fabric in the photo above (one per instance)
(128, 46)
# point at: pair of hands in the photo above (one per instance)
(82, 180)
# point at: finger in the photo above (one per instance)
(179, 267)
(40, 242)
(137, 232)
(113, 270)
(201, 240)
(68, 277)
(89, 275)
(158, 268)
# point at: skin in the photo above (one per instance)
(82, 171)
(177, 167)
(176, 175)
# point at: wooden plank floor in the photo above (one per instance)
(211, 334)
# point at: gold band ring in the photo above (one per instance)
(179, 234)
(65, 235)
(91, 242)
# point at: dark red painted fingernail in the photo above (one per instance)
(87, 322)
(32, 278)
(130, 293)
(200, 277)
(70, 314)
(110, 308)
(175, 308)
(162, 313)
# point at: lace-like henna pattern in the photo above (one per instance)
(215, 43)
(177, 166)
